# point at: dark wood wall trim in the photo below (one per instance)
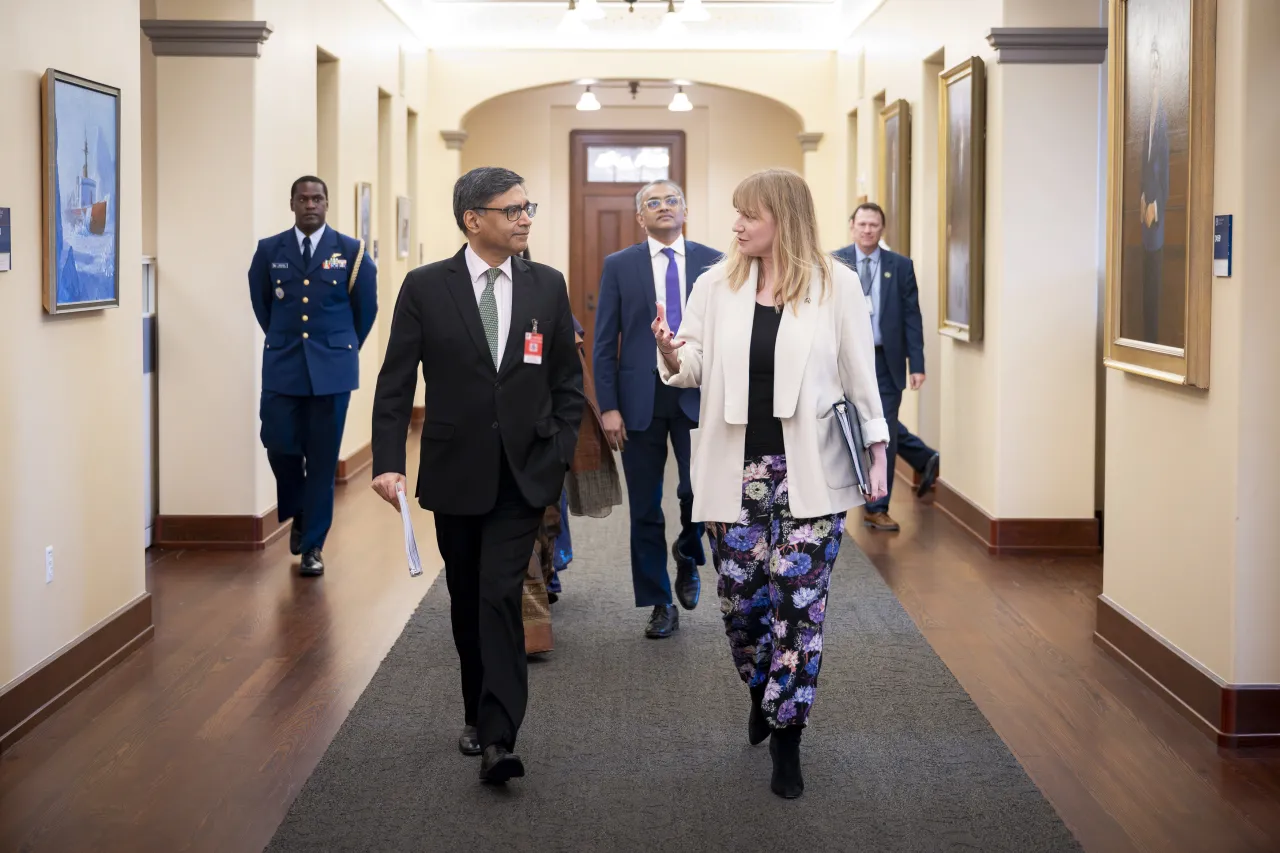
(35, 697)
(419, 415)
(1235, 716)
(1019, 535)
(906, 473)
(219, 532)
(355, 463)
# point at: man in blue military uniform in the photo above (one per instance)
(316, 295)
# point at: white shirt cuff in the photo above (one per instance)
(875, 432)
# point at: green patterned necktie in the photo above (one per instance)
(489, 313)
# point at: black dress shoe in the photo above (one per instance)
(758, 727)
(467, 742)
(688, 584)
(295, 536)
(498, 765)
(784, 747)
(663, 623)
(929, 477)
(312, 564)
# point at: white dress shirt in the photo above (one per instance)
(315, 239)
(660, 263)
(479, 269)
(874, 304)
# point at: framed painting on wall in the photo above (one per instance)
(364, 212)
(895, 175)
(962, 199)
(81, 159)
(402, 226)
(1160, 189)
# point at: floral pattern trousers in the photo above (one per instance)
(774, 573)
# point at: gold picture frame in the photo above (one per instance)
(1159, 279)
(962, 128)
(894, 180)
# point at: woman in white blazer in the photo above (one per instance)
(776, 334)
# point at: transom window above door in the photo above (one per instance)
(612, 164)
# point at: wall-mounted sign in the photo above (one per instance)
(6, 241)
(1222, 246)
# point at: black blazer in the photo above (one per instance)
(474, 412)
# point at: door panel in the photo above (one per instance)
(602, 217)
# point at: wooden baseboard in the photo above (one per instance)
(419, 415)
(43, 691)
(355, 463)
(219, 532)
(1235, 716)
(1020, 535)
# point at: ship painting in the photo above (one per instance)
(82, 137)
(83, 209)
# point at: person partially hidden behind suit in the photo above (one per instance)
(503, 394)
(776, 335)
(889, 287)
(639, 412)
(315, 294)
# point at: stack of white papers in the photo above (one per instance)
(410, 544)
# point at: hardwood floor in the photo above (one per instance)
(201, 739)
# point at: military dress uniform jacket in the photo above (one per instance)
(315, 319)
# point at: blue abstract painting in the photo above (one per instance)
(86, 189)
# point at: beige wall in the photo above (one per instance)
(71, 423)
(1013, 415)
(1193, 477)
(728, 135)
(264, 138)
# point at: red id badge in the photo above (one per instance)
(532, 348)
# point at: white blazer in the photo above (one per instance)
(824, 353)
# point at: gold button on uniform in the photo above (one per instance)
(305, 300)
(305, 336)
(304, 318)
(277, 281)
(306, 281)
(348, 346)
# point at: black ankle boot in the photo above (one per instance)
(757, 726)
(784, 747)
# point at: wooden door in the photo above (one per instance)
(602, 213)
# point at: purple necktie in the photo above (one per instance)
(673, 291)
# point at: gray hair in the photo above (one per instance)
(479, 187)
(663, 183)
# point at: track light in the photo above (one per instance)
(680, 103)
(588, 101)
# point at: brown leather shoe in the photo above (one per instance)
(880, 521)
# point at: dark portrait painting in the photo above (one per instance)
(895, 175)
(1157, 122)
(962, 177)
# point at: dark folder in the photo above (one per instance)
(851, 429)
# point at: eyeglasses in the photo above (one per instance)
(513, 211)
(669, 201)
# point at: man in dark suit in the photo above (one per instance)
(1153, 203)
(503, 392)
(315, 294)
(640, 413)
(889, 284)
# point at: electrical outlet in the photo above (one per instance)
(48, 564)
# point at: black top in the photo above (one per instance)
(764, 431)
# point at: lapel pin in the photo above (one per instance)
(888, 275)
(279, 293)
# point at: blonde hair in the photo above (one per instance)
(796, 250)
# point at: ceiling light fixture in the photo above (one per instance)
(692, 11)
(680, 102)
(588, 101)
(590, 10)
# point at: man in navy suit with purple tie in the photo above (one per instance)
(639, 412)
